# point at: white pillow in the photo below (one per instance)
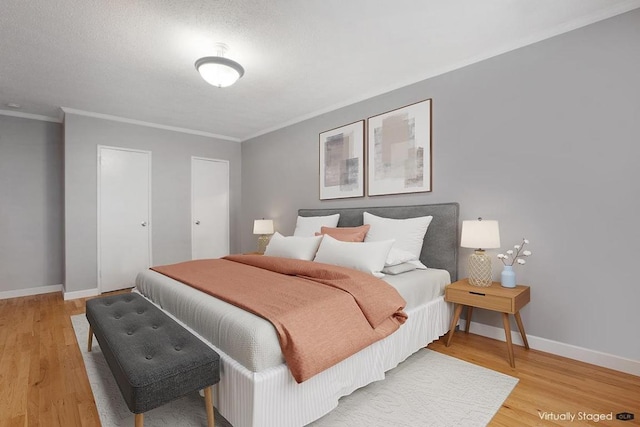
(419, 265)
(293, 246)
(398, 256)
(307, 226)
(367, 257)
(399, 268)
(408, 233)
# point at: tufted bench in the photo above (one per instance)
(154, 360)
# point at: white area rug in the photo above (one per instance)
(428, 389)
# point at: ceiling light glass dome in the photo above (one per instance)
(218, 70)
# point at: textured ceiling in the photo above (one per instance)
(134, 59)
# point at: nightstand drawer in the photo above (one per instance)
(480, 299)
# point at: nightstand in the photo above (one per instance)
(495, 297)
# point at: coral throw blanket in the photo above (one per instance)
(322, 313)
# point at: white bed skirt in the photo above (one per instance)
(272, 398)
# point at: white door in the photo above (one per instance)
(124, 216)
(209, 208)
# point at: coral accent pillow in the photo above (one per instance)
(346, 234)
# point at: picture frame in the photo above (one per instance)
(399, 150)
(342, 162)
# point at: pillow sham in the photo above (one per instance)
(419, 265)
(408, 233)
(346, 234)
(367, 257)
(399, 268)
(398, 256)
(307, 226)
(295, 247)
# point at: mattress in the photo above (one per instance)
(419, 287)
(249, 339)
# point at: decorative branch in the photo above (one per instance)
(510, 258)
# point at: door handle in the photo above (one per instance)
(143, 223)
(197, 222)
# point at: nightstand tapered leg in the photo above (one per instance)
(521, 327)
(507, 333)
(469, 312)
(454, 321)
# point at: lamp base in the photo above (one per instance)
(479, 269)
(263, 241)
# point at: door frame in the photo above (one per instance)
(99, 219)
(208, 159)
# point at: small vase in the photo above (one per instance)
(508, 277)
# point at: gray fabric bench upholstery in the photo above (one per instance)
(154, 359)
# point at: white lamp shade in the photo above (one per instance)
(480, 234)
(263, 226)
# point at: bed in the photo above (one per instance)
(256, 387)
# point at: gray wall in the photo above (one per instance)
(543, 139)
(31, 204)
(171, 189)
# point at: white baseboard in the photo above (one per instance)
(30, 291)
(81, 294)
(570, 351)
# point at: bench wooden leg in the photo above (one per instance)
(139, 420)
(208, 403)
(90, 341)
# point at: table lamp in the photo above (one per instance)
(263, 227)
(480, 234)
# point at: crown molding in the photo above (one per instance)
(30, 116)
(68, 110)
(507, 47)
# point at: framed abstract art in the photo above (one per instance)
(399, 150)
(342, 162)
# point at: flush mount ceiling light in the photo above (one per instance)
(218, 70)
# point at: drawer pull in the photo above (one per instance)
(477, 293)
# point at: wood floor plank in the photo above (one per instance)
(44, 381)
(549, 383)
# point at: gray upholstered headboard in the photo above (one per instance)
(440, 247)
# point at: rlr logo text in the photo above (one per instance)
(624, 416)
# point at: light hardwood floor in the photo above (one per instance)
(43, 381)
